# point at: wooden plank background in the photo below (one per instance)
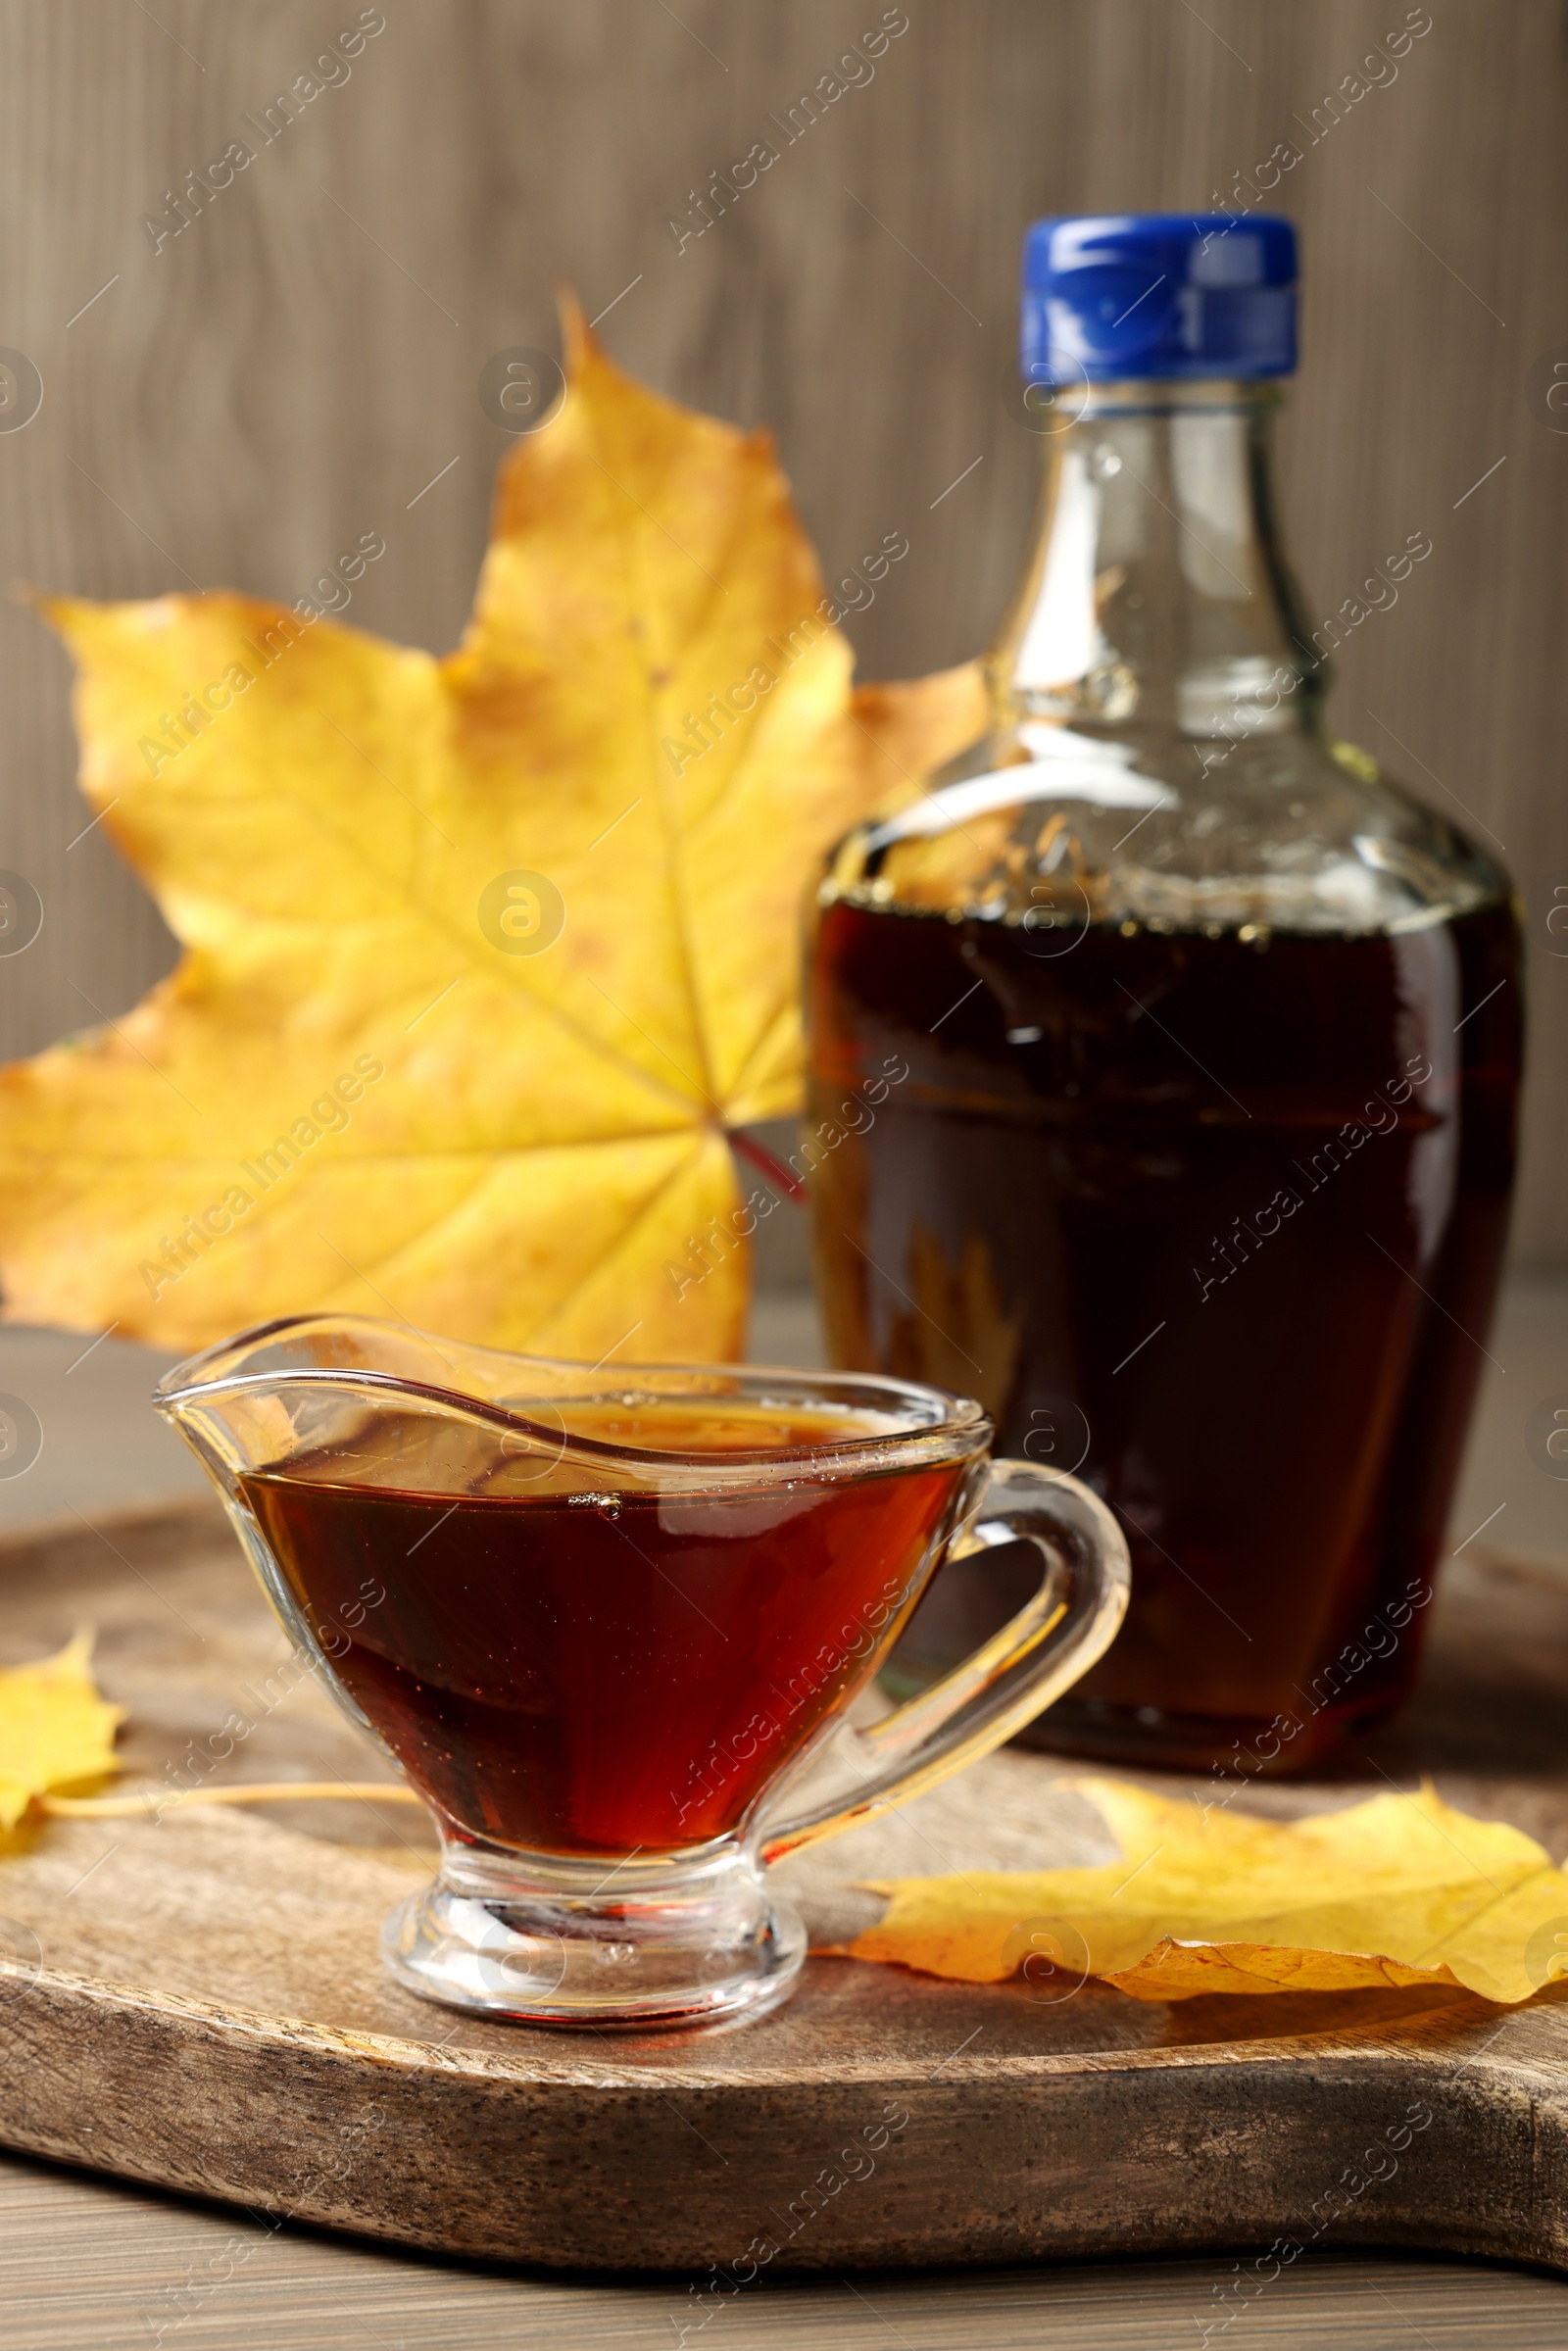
(298, 365)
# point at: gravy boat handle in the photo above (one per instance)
(1037, 1656)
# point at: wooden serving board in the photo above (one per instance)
(198, 2002)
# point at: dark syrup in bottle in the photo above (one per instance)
(1214, 1224)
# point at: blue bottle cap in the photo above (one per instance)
(1109, 295)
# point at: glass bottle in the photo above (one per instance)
(1199, 1173)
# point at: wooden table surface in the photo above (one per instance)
(88, 2265)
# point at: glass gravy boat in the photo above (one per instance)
(609, 1626)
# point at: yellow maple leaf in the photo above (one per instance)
(485, 955)
(54, 1728)
(1401, 1889)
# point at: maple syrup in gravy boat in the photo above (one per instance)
(610, 1626)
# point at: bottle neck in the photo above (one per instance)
(1156, 599)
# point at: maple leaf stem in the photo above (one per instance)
(256, 1791)
(777, 1174)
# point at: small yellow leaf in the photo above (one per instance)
(1399, 1890)
(54, 1728)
